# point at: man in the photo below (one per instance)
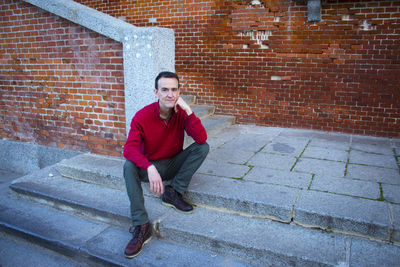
(154, 153)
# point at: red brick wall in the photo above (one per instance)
(266, 64)
(60, 84)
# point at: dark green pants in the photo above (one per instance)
(179, 170)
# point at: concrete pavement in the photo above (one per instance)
(268, 196)
(330, 180)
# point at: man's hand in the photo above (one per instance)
(156, 184)
(183, 105)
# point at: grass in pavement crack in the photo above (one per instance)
(297, 158)
(381, 198)
(255, 153)
(250, 168)
(312, 179)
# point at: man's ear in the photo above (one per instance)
(156, 92)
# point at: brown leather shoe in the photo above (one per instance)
(141, 235)
(172, 198)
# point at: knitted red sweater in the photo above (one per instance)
(152, 138)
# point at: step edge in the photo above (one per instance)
(108, 216)
(71, 251)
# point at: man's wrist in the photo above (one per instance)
(189, 112)
(151, 166)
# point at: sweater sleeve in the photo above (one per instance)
(133, 149)
(195, 129)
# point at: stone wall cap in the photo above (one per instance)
(92, 19)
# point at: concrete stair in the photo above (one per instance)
(79, 208)
(87, 224)
(212, 123)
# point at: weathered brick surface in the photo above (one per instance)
(266, 64)
(60, 84)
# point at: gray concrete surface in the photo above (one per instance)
(15, 252)
(22, 158)
(250, 183)
(313, 178)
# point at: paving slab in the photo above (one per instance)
(264, 200)
(395, 210)
(230, 155)
(62, 227)
(157, 252)
(248, 142)
(331, 211)
(372, 159)
(391, 193)
(364, 254)
(330, 141)
(372, 144)
(293, 145)
(265, 132)
(320, 167)
(284, 148)
(297, 133)
(372, 173)
(6, 176)
(33, 255)
(229, 133)
(265, 243)
(94, 243)
(102, 203)
(330, 137)
(231, 170)
(279, 177)
(329, 144)
(346, 186)
(273, 161)
(94, 168)
(325, 153)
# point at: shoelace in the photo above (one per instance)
(138, 233)
(135, 231)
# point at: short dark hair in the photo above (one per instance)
(166, 74)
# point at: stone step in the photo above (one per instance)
(203, 111)
(276, 202)
(216, 123)
(212, 123)
(12, 245)
(105, 211)
(72, 221)
(190, 99)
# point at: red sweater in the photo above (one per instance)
(151, 138)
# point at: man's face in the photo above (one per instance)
(167, 92)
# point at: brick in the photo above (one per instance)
(42, 56)
(341, 65)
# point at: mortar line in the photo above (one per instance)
(297, 158)
(292, 212)
(348, 250)
(256, 152)
(311, 181)
(391, 218)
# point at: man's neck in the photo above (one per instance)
(165, 114)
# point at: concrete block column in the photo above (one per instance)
(146, 51)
